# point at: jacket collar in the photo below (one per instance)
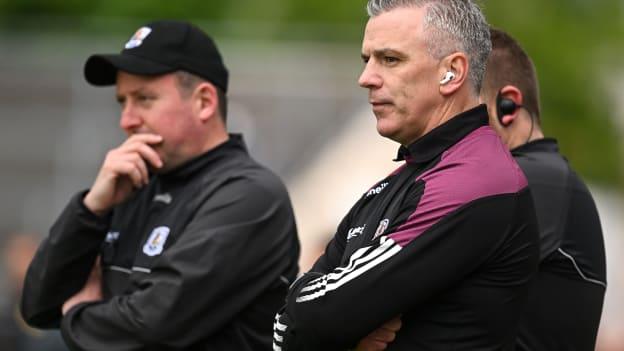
(543, 145)
(234, 144)
(432, 144)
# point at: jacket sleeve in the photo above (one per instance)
(326, 263)
(396, 273)
(232, 251)
(332, 256)
(62, 263)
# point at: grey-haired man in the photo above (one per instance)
(450, 243)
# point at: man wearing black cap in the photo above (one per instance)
(183, 241)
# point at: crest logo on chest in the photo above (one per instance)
(156, 241)
(383, 225)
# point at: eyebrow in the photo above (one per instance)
(385, 51)
(135, 92)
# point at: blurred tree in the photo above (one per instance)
(571, 44)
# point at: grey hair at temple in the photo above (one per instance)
(452, 26)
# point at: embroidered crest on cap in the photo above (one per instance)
(138, 37)
(156, 241)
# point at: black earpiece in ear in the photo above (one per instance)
(504, 107)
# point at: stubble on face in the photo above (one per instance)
(157, 107)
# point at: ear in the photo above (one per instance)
(206, 101)
(514, 94)
(457, 63)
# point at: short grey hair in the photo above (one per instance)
(452, 26)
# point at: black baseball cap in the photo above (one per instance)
(161, 47)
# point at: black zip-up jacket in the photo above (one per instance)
(448, 242)
(565, 304)
(200, 259)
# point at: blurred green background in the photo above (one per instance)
(576, 46)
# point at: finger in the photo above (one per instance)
(139, 163)
(97, 265)
(131, 166)
(96, 272)
(146, 151)
(393, 324)
(149, 155)
(143, 175)
(146, 138)
(379, 346)
(132, 172)
(94, 277)
(383, 335)
(371, 345)
(136, 177)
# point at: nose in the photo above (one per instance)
(130, 119)
(370, 78)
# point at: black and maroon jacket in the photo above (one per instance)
(448, 242)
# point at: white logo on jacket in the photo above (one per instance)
(156, 241)
(353, 232)
(377, 190)
(164, 198)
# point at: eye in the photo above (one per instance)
(144, 98)
(390, 59)
(365, 59)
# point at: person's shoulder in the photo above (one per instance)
(247, 192)
(579, 186)
(541, 164)
(478, 166)
(254, 177)
(550, 169)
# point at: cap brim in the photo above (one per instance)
(102, 70)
